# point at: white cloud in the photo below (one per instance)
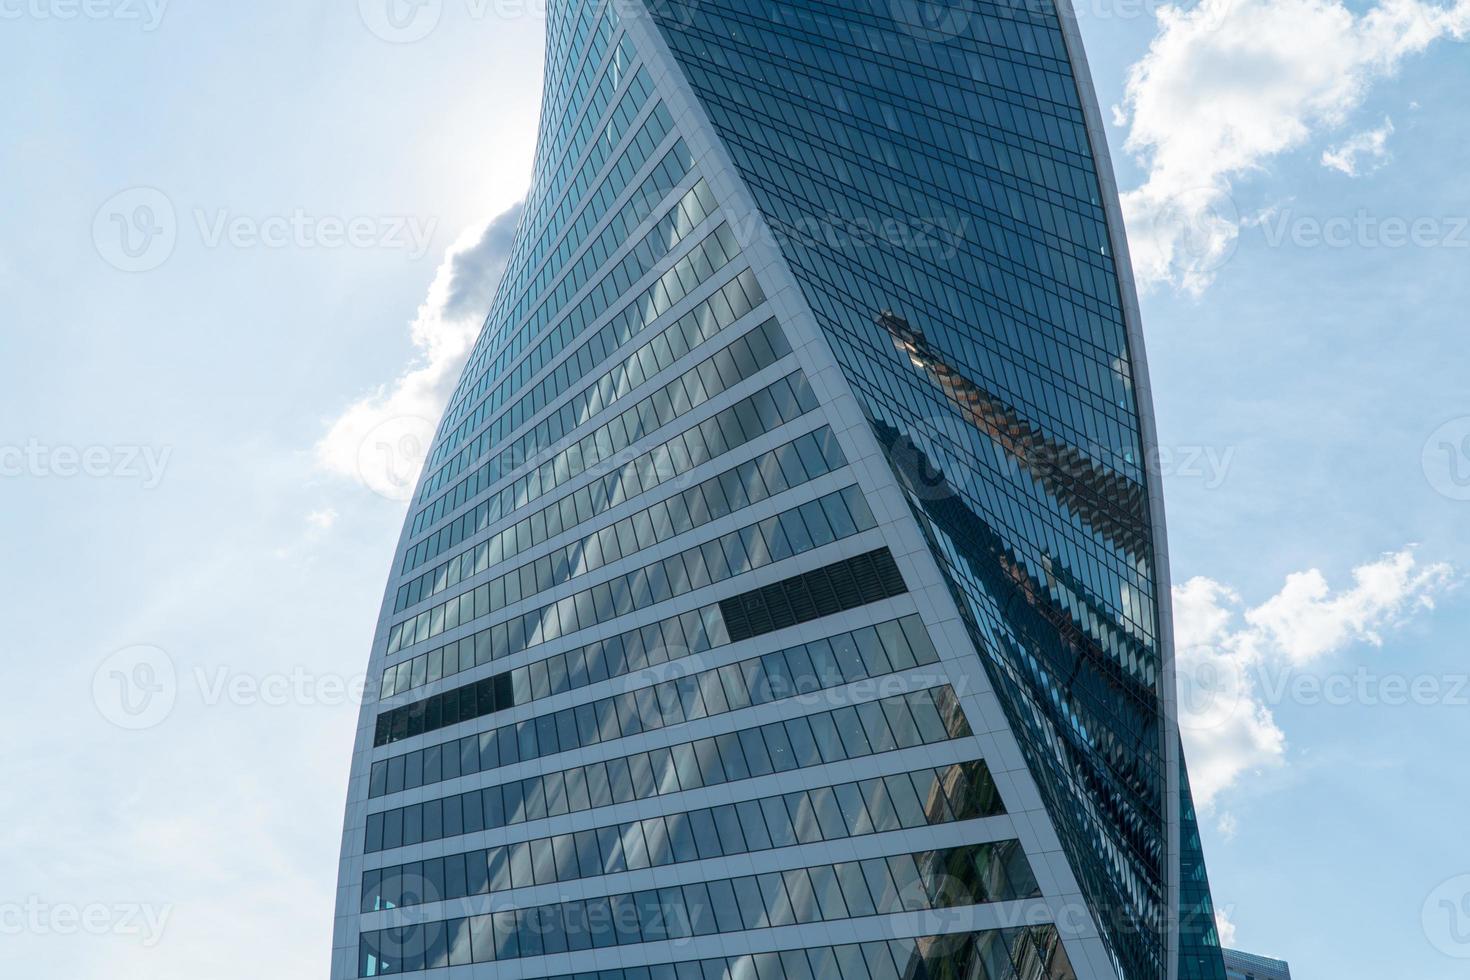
(1369, 147)
(381, 440)
(1228, 729)
(322, 519)
(1305, 621)
(1226, 928)
(1228, 84)
(1225, 650)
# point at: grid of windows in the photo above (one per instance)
(934, 195)
(903, 801)
(1249, 966)
(691, 212)
(527, 252)
(645, 529)
(573, 110)
(804, 669)
(961, 184)
(791, 465)
(814, 524)
(573, 45)
(654, 130)
(670, 172)
(1199, 936)
(1012, 954)
(740, 295)
(822, 592)
(850, 732)
(714, 253)
(506, 375)
(585, 554)
(609, 136)
(834, 588)
(976, 874)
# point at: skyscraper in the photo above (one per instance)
(781, 597)
(1249, 966)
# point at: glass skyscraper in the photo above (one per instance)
(782, 595)
(1249, 966)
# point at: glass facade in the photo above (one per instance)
(1249, 966)
(657, 690)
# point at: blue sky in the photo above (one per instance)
(207, 433)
